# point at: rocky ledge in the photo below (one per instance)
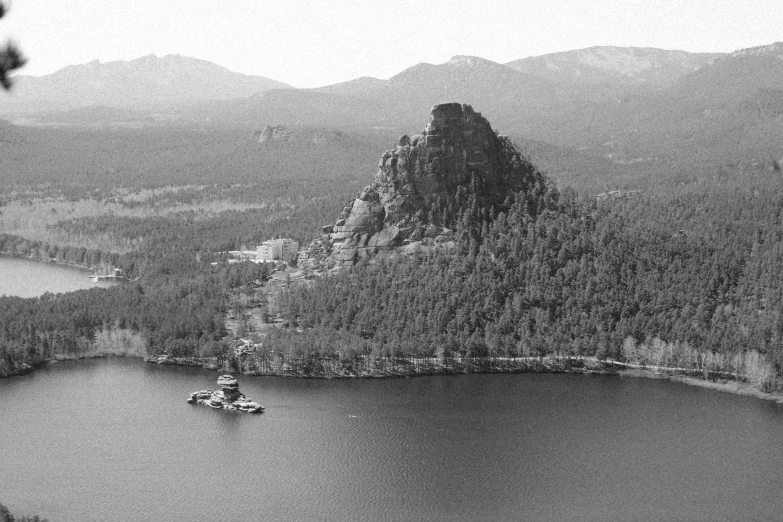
(228, 397)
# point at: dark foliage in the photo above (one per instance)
(6, 516)
(11, 58)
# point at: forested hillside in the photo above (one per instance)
(162, 206)
(684, 273)
(88, 160)
(678, 278)
(177, 308)
(686, 279)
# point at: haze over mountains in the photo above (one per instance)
(638, 106)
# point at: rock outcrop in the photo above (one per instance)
(272, 132)
(229, 387)
(458, 150)
(228, 397)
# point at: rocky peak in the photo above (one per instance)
(458, 150)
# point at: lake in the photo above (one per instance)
(114, 440)
(28, 278)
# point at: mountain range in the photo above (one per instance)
(628, 106)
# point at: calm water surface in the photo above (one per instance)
(114, 440)
(27, 278)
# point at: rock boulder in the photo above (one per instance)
(230, 387)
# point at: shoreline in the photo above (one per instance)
(608, 369)
(52, 261)
(722, 385)
(88, 270)
(27, 368)
(590, 366)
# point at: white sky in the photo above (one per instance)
(309, 44)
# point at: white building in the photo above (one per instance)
(283, 249)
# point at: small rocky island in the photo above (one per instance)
(228, 397)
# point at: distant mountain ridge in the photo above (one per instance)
(624, 65)
(775, 49)
(140, 83)
(628, 106)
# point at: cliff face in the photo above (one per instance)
(457, 153)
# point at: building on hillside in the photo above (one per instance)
(272, 250)
(242, 255)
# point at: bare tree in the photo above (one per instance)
(11, 57)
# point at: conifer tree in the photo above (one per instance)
(11, 57)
